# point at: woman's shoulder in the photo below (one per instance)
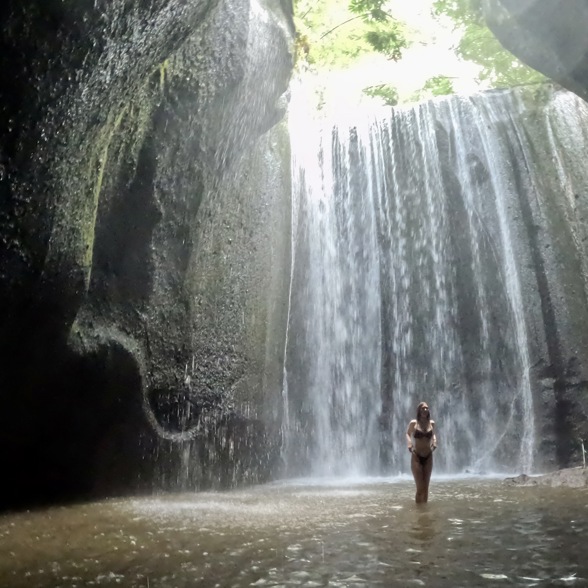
(412, 423)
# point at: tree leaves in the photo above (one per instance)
(334, 34)
(499, 67)
(369, 10)
(439, 86)
(386, 92)
(388, 40)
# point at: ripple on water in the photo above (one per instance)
(473, 532)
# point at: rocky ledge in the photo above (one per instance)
(565, 478)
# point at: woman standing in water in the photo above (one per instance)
(425, 442)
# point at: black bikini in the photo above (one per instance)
(423, 459)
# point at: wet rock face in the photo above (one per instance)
(548, 36)
(565, 478)
(141, 321)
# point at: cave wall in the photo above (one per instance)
(551, 216)
(549, 36)
(536, 164)
(144, 244)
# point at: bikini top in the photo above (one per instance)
(422, 435)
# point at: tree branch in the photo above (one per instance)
(350, 20)
(340, 25)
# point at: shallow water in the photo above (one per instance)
(473, 532)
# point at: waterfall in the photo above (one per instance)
(336, 279)
(406, 287)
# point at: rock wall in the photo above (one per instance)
(144, 243)
(548, 36)
(536, 163)
(551, 219)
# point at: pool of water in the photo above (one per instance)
(473, 532)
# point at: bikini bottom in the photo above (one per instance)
(423, 459)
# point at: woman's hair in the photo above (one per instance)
(421, 405)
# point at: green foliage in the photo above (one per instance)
(435, 86)
(499, 67)
(388, 40)
(439, 86)
(369, 10)
(388, 94)
(462, 12)
(332, 34)
(363, 6)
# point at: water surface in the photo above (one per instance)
(473, 532)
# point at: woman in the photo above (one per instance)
(422, 429)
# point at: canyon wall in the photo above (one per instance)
(144, 249)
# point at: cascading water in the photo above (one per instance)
(405, 287)
(339, 369)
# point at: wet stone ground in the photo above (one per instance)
(473, 532)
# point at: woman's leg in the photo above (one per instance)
(419, 479)
(427, 469)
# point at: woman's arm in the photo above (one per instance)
(409, 432)
(434, 440)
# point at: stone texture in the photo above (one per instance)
(550, 216)
(549, 36)
(126, 129)
(566, 478)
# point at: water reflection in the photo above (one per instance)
(426, 526)
(472, 533)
